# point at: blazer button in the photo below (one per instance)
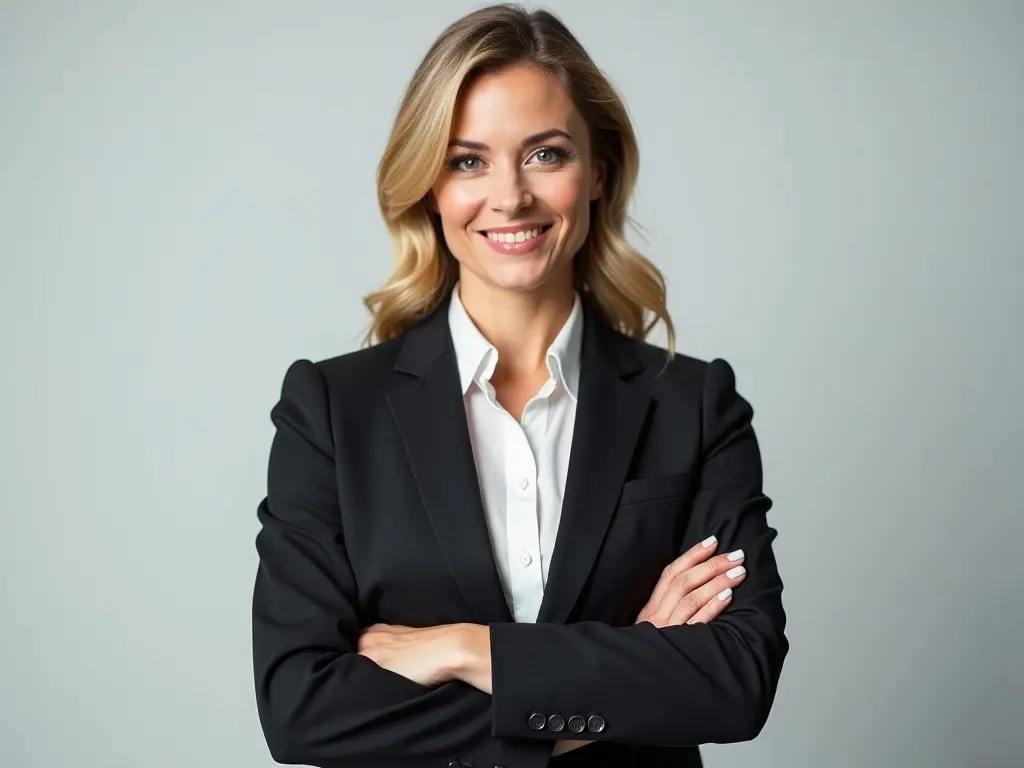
(596, 724)
(537, 721)
(577, 724)
(556, 723)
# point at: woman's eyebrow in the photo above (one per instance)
(536, 138)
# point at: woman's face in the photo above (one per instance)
(514, 195)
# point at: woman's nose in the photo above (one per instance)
(510, 195)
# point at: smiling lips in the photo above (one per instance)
(515, 240)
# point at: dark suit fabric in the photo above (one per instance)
(373, 514)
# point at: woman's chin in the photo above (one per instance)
(521, 283)
(523, 277)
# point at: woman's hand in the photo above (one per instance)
(428, 656)
(694, 588)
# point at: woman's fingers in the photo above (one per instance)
(392, 628)
(709, 600)
(682, 586)
(696, 577)
(376, 635)
(712, 607)
(698, 553)
(690, 582)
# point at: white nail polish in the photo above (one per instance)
(724, 594)
(736, 572)
(734, 556)
(708, 541)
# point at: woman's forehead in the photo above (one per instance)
(513, 103)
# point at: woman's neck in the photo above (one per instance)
(520, 324)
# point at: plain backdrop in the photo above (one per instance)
(835, 192)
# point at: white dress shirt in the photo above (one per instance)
(521, 466)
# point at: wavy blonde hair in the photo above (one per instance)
(627, 289)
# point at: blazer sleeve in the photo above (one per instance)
(320, 703)
(674, 686)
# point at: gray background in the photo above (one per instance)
(187, 205)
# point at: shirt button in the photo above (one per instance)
(524, 483)
(525, 559)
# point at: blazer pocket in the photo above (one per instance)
(654, 488)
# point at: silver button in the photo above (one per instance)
(524, 483)
(525, 558)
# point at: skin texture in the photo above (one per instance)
(550, 181)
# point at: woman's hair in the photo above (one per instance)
(626, 288)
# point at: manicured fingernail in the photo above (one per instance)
(708, 541)
(736, 572)
(724, 594)
(734, 556)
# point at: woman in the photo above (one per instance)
(510, 529)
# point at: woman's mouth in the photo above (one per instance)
(521, 241)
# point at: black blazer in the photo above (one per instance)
(373, 514)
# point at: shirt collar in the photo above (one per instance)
(475, 354)
(477, 357)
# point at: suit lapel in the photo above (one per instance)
(610, 415)
(431, 418)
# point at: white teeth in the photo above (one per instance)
(513, 237)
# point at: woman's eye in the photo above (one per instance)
(550, 155)
(464, 163)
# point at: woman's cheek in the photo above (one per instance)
(561, 192)
(567, 199)
(460, 204)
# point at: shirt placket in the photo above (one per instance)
(521, 523)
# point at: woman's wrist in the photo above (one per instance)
(471, 657)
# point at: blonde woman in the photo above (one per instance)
(510, 530)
